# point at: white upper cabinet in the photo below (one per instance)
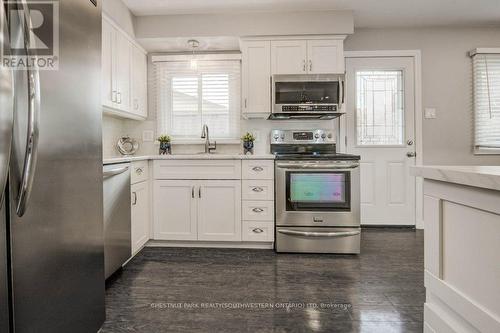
(289, 57)
(124, 74)
(325, 56)
(256, 78)
(139, 92)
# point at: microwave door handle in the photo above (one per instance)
(6, 113)
(30, 158)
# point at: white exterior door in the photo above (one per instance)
(289, 57)
(219, 210)
(379, 126)
(175, 210)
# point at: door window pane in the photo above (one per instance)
(379, 108)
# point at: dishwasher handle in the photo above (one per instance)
(114, 172)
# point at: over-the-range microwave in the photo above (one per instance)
(307, 96)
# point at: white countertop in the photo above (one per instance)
(478, 176)
(123, 159)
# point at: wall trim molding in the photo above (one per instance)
(417, 60)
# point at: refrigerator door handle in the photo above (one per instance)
(29, 167)
(6, 114)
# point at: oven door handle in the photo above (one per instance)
(317, 166)
(318, 234)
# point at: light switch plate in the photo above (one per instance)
(430, 113)
(147, 136)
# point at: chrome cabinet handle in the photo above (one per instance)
(258, 169)
(310, 65)
(30, 159)
(113, 96)
(411, 154)
(119, 97)
(317, 233)
(258, 230)
(258, 189)
(304, 65)
(257, 210)
(245, 103)
(199, 192)
(114, 172)
(192, 192)
(6, 114)
(135, 198)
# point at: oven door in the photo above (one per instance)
(322, 193)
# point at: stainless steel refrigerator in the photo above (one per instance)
(51, 219)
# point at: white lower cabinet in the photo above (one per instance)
(175, 210)
(219, 210)
(140, 215)
(197, 210)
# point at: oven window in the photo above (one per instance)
(318, 191)
(307, 92)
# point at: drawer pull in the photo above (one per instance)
(258, 210)
(258, 189)
(258, 169)
(258, 230)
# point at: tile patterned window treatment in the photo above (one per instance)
(486, 68)
(188, 98)
(379, 108)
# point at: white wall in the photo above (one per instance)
(446, 86)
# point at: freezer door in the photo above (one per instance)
(4, 295)
(57, 249)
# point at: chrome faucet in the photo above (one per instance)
(205, 135)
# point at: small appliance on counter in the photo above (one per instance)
(317, 193)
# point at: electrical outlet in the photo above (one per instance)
(430, 113)
(147, 136)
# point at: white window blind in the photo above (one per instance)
(187, 98)
(486, 69)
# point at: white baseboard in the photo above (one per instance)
(228, 245)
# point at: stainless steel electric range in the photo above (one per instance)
(317, 193)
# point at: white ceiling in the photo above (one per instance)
(367, 13)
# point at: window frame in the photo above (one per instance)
(186, 58)
(481, 150)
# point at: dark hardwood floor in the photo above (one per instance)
(229, 290)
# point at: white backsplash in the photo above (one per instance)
(114, 128)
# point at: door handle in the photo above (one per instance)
(310, 65)
(113, 96)
(29, 167)
(318, 233)
(119, 97)
(135, 198)
(199, 192)
(114, 172)
(411, 154)
(192, 192)
(304, 65)
(6, 114)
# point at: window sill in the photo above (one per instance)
(486, 151)
(202, 141)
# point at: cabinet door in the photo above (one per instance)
(256, 77)
(123, 75)
(140, 215)
(325, 56)
(219, 210)
(108, 36)
(139, 83)
(175, 210)
(289, 57)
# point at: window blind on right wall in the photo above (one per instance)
(486, 70)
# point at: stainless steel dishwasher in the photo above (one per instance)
(117, 225)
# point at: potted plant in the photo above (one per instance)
(165, 147)
(248, 145)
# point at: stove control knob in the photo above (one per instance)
(323, 136)
(276, 137)
(330, 135)
(282, 136)
(316, 136)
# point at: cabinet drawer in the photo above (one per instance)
(258, 210)
(140, 172)
(197, 169)
(257, 169)
(258, 231)
(257, 190)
